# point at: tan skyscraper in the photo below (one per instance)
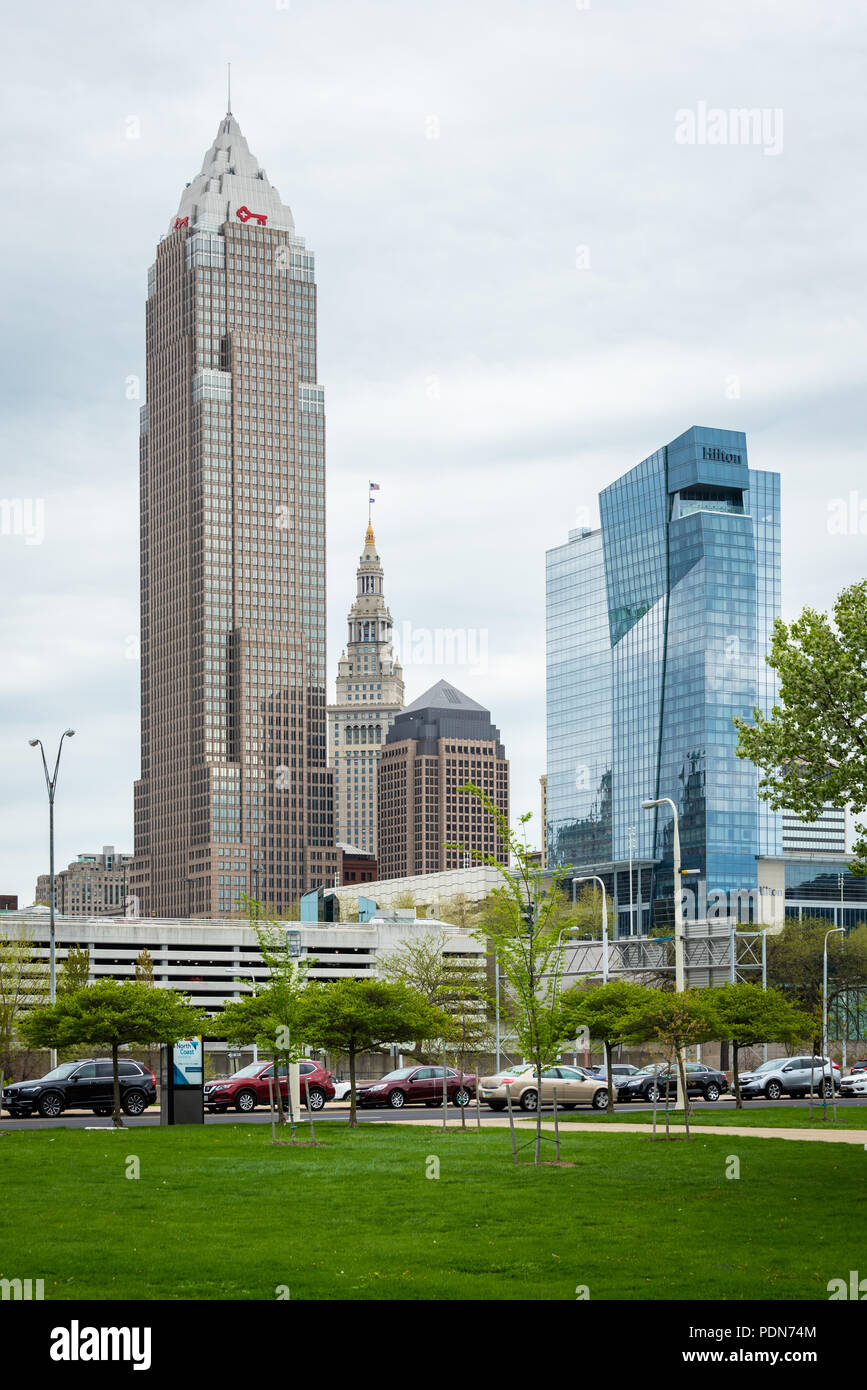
(235, 795)
(436, 745)
(369, 695)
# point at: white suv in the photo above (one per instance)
(792, 1075)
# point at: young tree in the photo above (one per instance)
(812, 749)
(607, 1012)
(144, 967)
(355, 1016)
(678, 1021)
(521, 926)
(271, 1023)
(586, 913)
(795, 965)
(421, 963)
(749, 1015)
(112, 1014)
(23, 986)
(74, 973)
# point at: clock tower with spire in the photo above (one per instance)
(370, 693)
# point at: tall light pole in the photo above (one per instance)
(630, 835)
(51, 784)
(679, 973)
(594, 878)
(825, 994)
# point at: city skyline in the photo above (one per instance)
(528, 330)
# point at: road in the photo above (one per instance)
(337, 1111)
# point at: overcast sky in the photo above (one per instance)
(528, 281)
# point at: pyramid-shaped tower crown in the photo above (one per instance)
(231, 178)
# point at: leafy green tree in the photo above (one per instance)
(607, 1012)
(74, 973)
(522, 925)
(113, 1014)
(812, 749)
(749, 1015)
(677, 1021)
(354, 1016)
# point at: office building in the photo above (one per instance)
(437, 744)
(658, 624)
(235, 795)
(93, 885)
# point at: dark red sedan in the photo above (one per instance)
(417, 1086)
(247, 1088)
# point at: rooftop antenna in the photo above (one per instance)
(228, 89)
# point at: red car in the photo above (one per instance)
(247, 1088)
(417, 1086)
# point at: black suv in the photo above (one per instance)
(86, 1085)
(702, 1081)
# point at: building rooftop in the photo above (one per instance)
(444, 696)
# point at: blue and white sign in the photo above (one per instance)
(187, 1062)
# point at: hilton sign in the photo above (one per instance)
(719, 455)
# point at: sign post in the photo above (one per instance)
(181, 1082)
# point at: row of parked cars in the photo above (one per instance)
(88, 1084)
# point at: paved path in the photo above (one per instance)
(830, 1136)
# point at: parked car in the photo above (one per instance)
(855, 1084)
(341, 1089)
(247, 1088)
(858, 1066)
(417, 1086)
(84, 1085)
(790, 1075)
(621, 1071)
(572, 1086)
(703, 1081)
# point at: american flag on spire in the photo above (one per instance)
(374, 487)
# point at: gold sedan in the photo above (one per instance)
(572, 1087)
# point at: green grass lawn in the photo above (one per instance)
(218, 1212)
(778, 1117)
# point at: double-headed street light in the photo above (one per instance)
(51, 783)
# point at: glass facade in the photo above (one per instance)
(658, 625)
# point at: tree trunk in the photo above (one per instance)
(117, 1119)
(538, 1158)
(353, 1117)
(610, 1077)
(736, 1076)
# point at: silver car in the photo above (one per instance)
(572, 1087)
(793, 1076)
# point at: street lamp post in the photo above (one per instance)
(825, 991)
(679, 972)
(630, 835)
(594, 878)
(51, 784)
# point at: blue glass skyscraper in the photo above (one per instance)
(657, 629)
